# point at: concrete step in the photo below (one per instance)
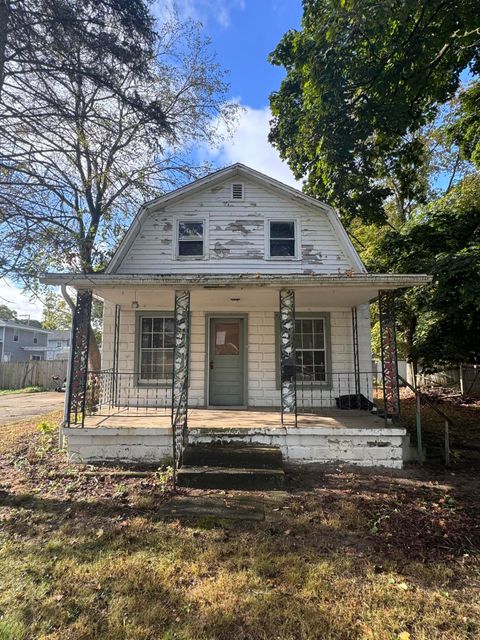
(232, 456)
(250, 479)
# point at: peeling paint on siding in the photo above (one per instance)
(230, 225)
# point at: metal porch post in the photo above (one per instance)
(356, 356)
(116, 343)
(288, 377)
(77, 388)
(388, 342)
(180, 375)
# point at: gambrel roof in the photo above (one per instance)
(236, 171)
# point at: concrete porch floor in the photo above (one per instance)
(237, 419)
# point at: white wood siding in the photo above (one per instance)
(262, 389)
(235, 241)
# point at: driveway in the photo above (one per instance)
(19, 406)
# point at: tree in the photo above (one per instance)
(440, 322)
(363, 78)
(75, 178)
(6, 313)
(56, 314)
(34, 35)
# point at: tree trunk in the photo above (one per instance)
(94, 355)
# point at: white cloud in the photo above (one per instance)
(201, 10)
(12, 297)
(249, 145)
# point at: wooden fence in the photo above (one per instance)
(33, 373)
(465, 378)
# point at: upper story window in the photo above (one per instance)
(15, 337)
(35, 338)
(191, 238)
(237, 191)
(282, 239)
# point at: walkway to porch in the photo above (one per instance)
(238, 419)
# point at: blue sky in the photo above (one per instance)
(243, 33)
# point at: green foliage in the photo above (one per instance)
(56, 312)
(362, 80)
(45, 427)
(5, 392)
(164, 477)
(6, 313)
(444, 240)
(465, 131)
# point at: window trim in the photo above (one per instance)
(297, 230)
(304, 315)
(176, 237)
(138, 382)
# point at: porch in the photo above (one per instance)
(258, 419)
(344, 435)
(301, 380)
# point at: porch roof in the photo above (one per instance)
(101, 280)
(226, 291)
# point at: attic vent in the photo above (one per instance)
(237, 191)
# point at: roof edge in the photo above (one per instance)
(92, 281)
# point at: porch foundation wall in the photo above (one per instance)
(153, 446)
(149, 446)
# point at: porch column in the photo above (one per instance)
(388, 343)
(288, 384)
(116, 344)
(356, 357)
(180, 374)
(77, 388)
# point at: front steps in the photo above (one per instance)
(231, 467)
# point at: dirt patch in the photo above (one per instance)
(18, 406)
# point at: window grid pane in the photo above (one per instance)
(310, 349)
(156, 348)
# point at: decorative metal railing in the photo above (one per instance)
(108, 392)
(359, 390)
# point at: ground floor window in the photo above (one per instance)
(310, 349)
(155, 342)
(35, 357)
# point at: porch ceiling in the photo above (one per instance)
(238, 292)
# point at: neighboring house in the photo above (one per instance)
(246, 300)
(59, 344)
(20, 342)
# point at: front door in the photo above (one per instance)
(226, 365)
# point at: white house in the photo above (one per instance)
(246, 301)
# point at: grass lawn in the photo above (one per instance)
(340, 555)
(7, 392)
